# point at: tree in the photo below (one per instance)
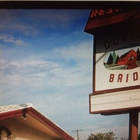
(114, 57)
(102, 136)
(117, 58)
(138, 52)
(110, 59)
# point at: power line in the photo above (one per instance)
(77, 133)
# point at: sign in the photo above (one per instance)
(116, 62)
(116, 71)
(100, 13)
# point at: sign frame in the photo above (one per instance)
(128, 39)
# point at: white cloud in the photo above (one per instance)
(11, 22)
(10, 39)
(20, 42)
(81, 51)
(47, 83)
(35, 72)
(108, 122)
(7, 38)
(24, 28)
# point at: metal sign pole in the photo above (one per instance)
(133, 124)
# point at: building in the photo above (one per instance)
(128, 59)
(24, 122)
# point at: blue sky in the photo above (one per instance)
(46, 60)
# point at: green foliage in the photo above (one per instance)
(110, 59)
(114, 57)
(102, 136)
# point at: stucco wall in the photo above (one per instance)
(20, 131)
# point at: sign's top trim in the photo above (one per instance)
(103, 17)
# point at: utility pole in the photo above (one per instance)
(77, 133)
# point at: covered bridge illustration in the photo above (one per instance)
(24, 122)
(129, 59)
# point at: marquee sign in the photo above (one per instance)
(116, 60)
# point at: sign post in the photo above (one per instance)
(116, 64)
(133, 125)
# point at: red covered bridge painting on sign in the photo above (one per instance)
(123, 59)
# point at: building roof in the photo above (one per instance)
(34, 119)
(131, 51)
(9, 108)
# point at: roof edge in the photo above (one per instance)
(46, 121)
(18, 110)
